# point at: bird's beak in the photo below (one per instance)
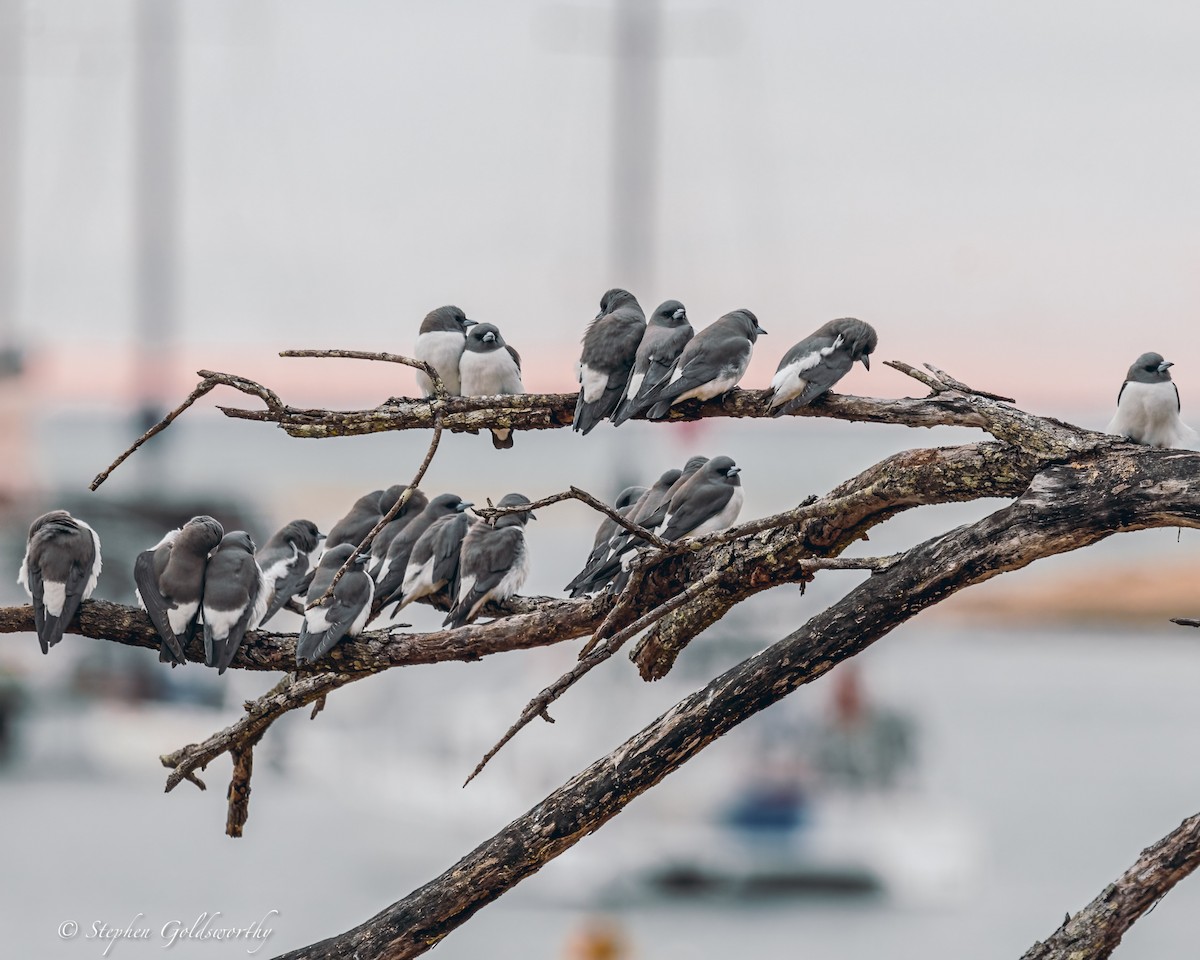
(1165, 366)
(489, 337)
(866, 360)
(469, 323)
(761, 331)
(532, 515)
(733, 471)
(464, 506)
(321, 536)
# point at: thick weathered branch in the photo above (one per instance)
(1065, 508)
(1096, 930)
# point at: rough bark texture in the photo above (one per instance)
(1065, 508)
(1065, 488)
(1096, 930)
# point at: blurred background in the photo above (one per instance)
(1005, 190)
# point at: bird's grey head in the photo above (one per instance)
(304, 534)
(1150, 368)
(613, 299)
(443, 319)
(746, 322)
(333, 559)
(484, 337)
(416, 502)
(56, 518)
(202, 534)
(628, 496)
(447, 504)
(858, 338)
(694, 464)
(521, 516)
(668, 478)
(670, 313)
(388, 498)
(237, 540)
(724, 470)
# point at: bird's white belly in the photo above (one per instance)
(1149, 413)
(789, 383)
(361, 620)
(418, 580)
(724, 519)
(54, 596)
(220, 622)
(441, 349)
(179, 617)
(727, 380)
(489, 374)
(594, 383)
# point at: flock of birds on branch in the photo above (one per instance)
(199, 575)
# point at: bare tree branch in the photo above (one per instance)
(1066, 507)
(575, 493)
(1096, 930)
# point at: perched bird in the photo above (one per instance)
(625, 503)
(652, 517)
(1148, 406)
(60, 570)
(286, 561)
(170, 582)
(667, 333)
(417, 501)
(236, 595)
(712, 362)
(819, 361)
(493, 563)
(711, 500)
(490, 368)
(433, 563)
(389, 577)
(440, 344)
(344, 613)
(609, 350)
(604, 563)
(358, 522)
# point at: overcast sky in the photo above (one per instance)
(1006, 189)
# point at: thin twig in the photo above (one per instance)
(932, 382)
(211, 379)
(439, 388)
(290, 693)
(958, 385)
(1186, 621)
(537, 706)
(574, 493)
(365, 543)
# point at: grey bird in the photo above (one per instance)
(59, 572)
(493, 563)
(609, 350)
(357, 523)
(389, 578)
(417, 501)
(440, 344)
(236, 595)
(344, 613)
(604, 563)
(711, 500)
(287, 560)
(170, 582)
(1148, 406)
(625, 503)
(820, 360)
(433, 563)
(652, 518)
(712, 362)
(491, 368)
(667, 333)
